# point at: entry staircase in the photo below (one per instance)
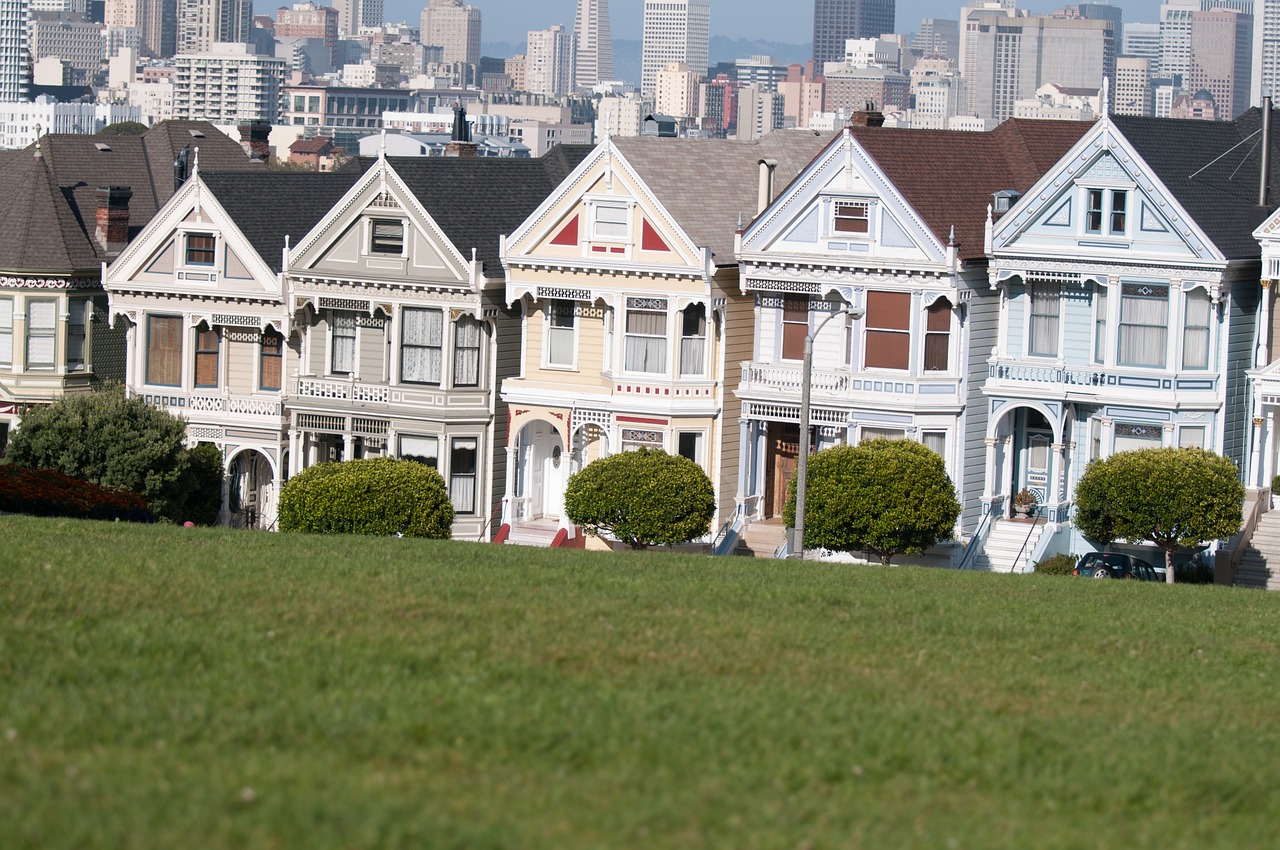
(1258, 565)
(1008, 537)
(536, 532)
(761, 538)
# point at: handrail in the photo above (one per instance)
(494, 514)
(723, 536)
(1034, 522)
(780, 551)
(972, 545)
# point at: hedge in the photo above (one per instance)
(377, 496)
(46, 492)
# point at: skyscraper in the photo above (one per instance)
(204, 23)
(13, 50)
(674, 31)
(1221, 51)
(1266, 51)
(834, 21)
(549, 62)
(455, 28)
(592, 44)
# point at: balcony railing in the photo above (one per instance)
(787, 378)
(232, 404)
(342, 390)
(1122, 380)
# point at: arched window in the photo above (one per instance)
(937, 336)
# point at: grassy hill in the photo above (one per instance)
(167, 687)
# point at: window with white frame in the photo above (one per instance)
(562, 333)
(1046, 304)
(851, 217)
(610, 222)
(1195, 330)
(386, 236)
(342, 333)
(206, 357)
(693, 340)
(795, 326)
(467, 333)
(1144, 324)
(201, 249)
(463, 456)
(935, 441)
(1100, 322)
(645, 337)
(689, 444)
(6, 331)
(888, 335)
(1131, 436)
(1106, 211)
(422, 449)
(76, 320)
(1093, 211)
(937, 336)
(164, 350)
(271, 360)
(640, 438)
(421, 345)
(42, 333)
(1191, 437)
(1119, 209)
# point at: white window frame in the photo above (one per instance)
(700, 450)
(332, 335)
(50, 333)
(1031, 317)
(371, 227)
(6, 331)
(1107, 211)
(609, 231)
(833, 216)
(547, 329)
(431, 439)
(458, 324)
(444, 330)
(681, 316)
(78, 316)
(647, 306)
(1121, 325)
(1207, 328)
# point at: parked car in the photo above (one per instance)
(1116, 565)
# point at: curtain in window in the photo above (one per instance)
(42, 317)
(937, 338)
(466, 353)
(6, 331)
(795, 326)
(935, 441)
(1195, 335)
(646, 341)
(462, 475)
(888, 336)
(693, 340)
(1046, 300)
(164, 350)
(1144, 324)
(1100, 323)
(421, 350)
(272, 357)
(75, 335)
(344, 343)
(560, 333)
(207, 358)
(425, 449)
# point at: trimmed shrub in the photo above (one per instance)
(643, 498)
(204, 477)
(1058, 565)
(378, 496)
(46, 492)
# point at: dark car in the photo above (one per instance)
(1115, 565)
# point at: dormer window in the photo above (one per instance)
(1106, 207)
(1003, 201)
(852, 217)
(200, 249)
(386, 236)
(609, 222)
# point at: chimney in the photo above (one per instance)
(867, 117)
(112, 216)
(254, 138)
(1264, 172)
(456, 148)
(766, 184)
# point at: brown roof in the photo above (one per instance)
(948, 176)
(318, 145)
(712, 186)
(48, 220)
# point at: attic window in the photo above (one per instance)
(102, 146)
(1004, 201)
(852, 217)
(386, 236)
(199, 134)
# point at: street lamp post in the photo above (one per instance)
(802, 463)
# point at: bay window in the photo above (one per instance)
(937, 336)
(42, 333)
(1100, 323)
(6, 331)
(1144, 324)
(466, 352)
(76, 319)
(206, 357)
(1046, 302)
(270, 361)
(646, 336)
(888, 336)
(795, 326)
(164, 350)
(562, 333)
(342, 357)
(1195, 333)
(421, 345)
(693, 340)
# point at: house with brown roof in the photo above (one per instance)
(72, 204)
(876, 252)
(318, 154)
(634, 322)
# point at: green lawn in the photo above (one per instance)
(172, 688)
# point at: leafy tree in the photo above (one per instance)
(109, 439)
(379, 496)
(204, 484)
(882, 497)
(124, 128)
(643, 498)
(1173, 498)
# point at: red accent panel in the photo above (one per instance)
(649, 238)
(600, 249)
(568, 234)
(503, 533)
(561, 536)
(642, 420)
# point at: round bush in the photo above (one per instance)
(643, 498)
(1058, 565)
(379, 496)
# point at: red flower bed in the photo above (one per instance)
(43, 492)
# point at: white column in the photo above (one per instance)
(1167, 437)
(1058, 481)
(745, 427)
(1269, 439)
(513, 460)
(1108, 436)
(295, 451)
(348, 446)
(1262, 355)
(988, 486)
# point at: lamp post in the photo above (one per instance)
(802, 463)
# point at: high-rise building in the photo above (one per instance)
(836, 21)
(1266, 52)
(1221, 53)
(454, 27)
(204, 23)
(355, 15)
(14, 58)
(938, 37)
(549, 62)
(228, 85)
(77, 43)
(592, 44)
(1008, 58)
(676, 93)
(158, 20)
(1133, 86)
(674, 31)
(1142, 41)
(764, 72)
(1175, 31)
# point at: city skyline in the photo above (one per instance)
(511, 20)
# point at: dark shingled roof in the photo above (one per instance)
(948, 176)
(48, 220)
(1212, 168)
(269, 206)
(710, 185)
(475, 200)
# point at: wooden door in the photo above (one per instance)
(784, 448)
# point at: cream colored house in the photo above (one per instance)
(633, 319)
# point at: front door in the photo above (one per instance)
(1034, 439)
(780, 468)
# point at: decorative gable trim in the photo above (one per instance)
(650, 240)
(568, 235)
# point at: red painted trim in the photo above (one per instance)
(503, 533)
(642, 420)
(568, 234)
(649, 238)
(561, 536)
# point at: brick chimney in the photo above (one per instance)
(457, 148)
(254, 138)
(112, 217)
(867, 117)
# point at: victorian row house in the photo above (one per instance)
(634, 321)
(883, 265)
(71, 204)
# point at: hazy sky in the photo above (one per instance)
(511, 20)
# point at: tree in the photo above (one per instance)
(643, 498)
(1171, 497)
(109, 439)
(882, 497)
(379, 496)
(204, 484)
(124, 128)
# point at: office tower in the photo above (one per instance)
(1095, 12)
(938, 37)
(228, 85)
(1142, 41)
(674, 31)
(835, 21)
(549, 62)
(454, 27)
(1133, 86)
(1221, 53)
(1007, 58)
(204, 23)
(14, 59)
(1266, 52)
(592, 44)
(77, 43)
(1175, 31)
(764, 72)
(158, 20)
(676, 92)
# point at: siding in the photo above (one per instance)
(1017, 317)
(371, 353)
(1240, 347)
(504, 351)
(983, 324)
(241, 364)
(738, 339)
(770, 318)
(1077, 318)
(317, 340)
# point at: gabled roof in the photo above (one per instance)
(48, 217)
(949, 176)
(1211, 168)
(475, 200)
(273, 205)
(712, 186)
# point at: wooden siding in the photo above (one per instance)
(1077, 327)
(371, 351)
(736, 345)
(982, 332)
(242, 364)
(1241, 331)
(1016, 329)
